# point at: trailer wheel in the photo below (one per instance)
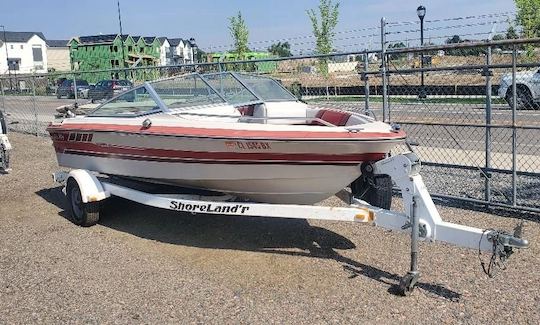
(82, 214)
(4, 158)
(374, 189)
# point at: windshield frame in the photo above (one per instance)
(162, 108)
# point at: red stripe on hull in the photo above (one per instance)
(147, 153)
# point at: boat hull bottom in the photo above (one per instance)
(269, 183)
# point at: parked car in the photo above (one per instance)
(83, 93)
(52, 87)
(527, 89)
(67, 88)
(106, 89)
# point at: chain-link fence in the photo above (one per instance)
(472, 113)
(470, 110)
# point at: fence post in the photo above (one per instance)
(514, 135)
(34, 104)
(383, 71)
(2, 95)
(75, 87)
(365, 77)
(487, 73)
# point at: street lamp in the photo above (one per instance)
(421, 12)
(7, 59)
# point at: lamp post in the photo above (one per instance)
(7, 59)
(421, 12)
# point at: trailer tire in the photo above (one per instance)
(82, 214)
(4, 158)
(374, 189)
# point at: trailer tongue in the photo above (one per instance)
(421, 219)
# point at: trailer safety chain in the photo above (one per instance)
(499, 253)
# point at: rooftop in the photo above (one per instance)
(57, 43)
(20, 37)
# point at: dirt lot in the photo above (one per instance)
(144, 265)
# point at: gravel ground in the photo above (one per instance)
(144, 265)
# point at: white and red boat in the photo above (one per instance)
(234, 133)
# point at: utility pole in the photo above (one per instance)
(7, 57)
(122, 40)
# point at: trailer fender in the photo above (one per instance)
(91, 188)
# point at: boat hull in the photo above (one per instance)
(295, 170)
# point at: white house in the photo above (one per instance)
(183, 51)
(165, 55)
(26, 53)
(58, 55)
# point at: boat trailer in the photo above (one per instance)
(85, 190)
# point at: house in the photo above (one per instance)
(165, 54)
(113, 51)
(146, 52)
(183, 51)
(26, 53)
(58, 55)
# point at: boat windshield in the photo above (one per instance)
(195, 90)
(266, 88)
(186, 91)
(231, 88)
(132, 103)
(238, 88)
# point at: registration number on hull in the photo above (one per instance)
(250, 145)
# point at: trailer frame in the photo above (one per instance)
(420, 217)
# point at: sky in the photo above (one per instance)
(206, 20)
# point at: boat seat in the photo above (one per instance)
(336, 118)
(246, 110)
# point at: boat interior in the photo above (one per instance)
(225, 97)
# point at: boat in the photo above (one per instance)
(234, 133)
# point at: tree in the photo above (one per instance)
(240, 34)
(324, 25)
(454, 40)
(528, 15)
(280, 49)
(396, 46)
(511, 33)
(498, 37)
(475, 51)
(201, 55)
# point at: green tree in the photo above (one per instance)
(201, 55)
(511, 33)
(398, 45)
(324, 25)
(528, 16)
(475, 51)
(240, 34)
(280, 49)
